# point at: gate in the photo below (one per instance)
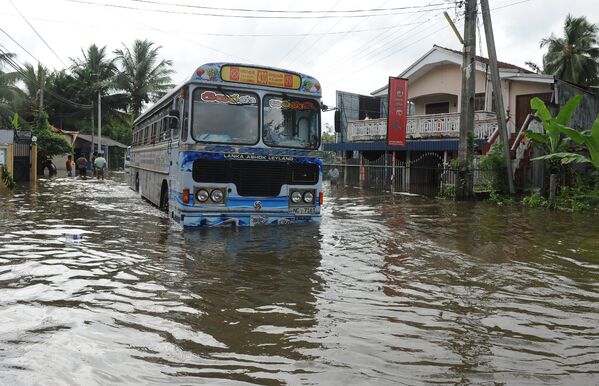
(22, 161)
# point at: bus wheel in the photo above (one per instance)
(164, 197)
(137, 182)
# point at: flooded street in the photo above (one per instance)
(386, 290)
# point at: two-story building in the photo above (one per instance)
(434, 87)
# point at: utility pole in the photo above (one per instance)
(464, 188)
(99, 123)
(42, 86)
(498, 96)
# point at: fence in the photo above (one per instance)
(428, 180)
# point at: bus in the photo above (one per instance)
(235, 145)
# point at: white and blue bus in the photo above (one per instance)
(233, 145)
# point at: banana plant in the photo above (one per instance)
(551, 140)
(589, 138)
(554, 127)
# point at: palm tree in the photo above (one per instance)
(141, 74)
(95, 73)
(574, 57)
(10, 95)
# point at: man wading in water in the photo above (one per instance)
(100, 165)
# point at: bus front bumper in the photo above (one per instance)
(195, 219)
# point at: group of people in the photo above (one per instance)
(98, 163)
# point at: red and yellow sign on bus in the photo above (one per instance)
(398, 112)
(260, 76)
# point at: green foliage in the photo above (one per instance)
(590, 139)
(447, 192)
(48, 142)
(141, 74)
(7, 178)
(535, 200)
(552, 141)
(15, 121)
(493, 168)
(574, 57)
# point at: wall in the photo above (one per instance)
(588, 109)
(517, 87)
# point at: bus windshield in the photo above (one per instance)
(225, 116)
(290, 122)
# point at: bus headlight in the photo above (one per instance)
(308, 197)
(217, 195)
(296, 197)
(202, 195)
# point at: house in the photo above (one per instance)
(434, 88)
(82, 145)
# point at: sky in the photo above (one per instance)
(352, 51)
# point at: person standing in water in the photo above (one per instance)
(100, 165)
(70, 166)
(81, 164)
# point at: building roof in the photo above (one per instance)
(438, 55)
(484, 60)
(106, 141)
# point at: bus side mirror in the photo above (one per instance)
(337, 121)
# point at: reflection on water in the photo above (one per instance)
(386, 290)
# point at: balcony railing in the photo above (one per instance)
(423, 127)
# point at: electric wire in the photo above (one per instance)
(235, 35)
(37, 33)
(19, 69)
(314, 57)
(165, 11)
(281, 11)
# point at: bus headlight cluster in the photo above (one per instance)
(215, 195)
(202, 195)
(308, 197)
(298, 197)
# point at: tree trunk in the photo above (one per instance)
(553, 180)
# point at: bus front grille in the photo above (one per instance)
(255, 178)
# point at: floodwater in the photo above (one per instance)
(387, 290)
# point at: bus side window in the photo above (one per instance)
(184, 130)
(146, 132)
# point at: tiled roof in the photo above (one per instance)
(486, 61)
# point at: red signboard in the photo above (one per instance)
(398, 112)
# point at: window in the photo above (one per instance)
(225, 116)
(290, 122)
(437, 108)
(146, 132)
(479, 102)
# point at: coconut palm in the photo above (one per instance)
(94, 72)
(142, 75)
(10, 95)
(574, 57)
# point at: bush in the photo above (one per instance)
(535, 200)
(447, 192)
(494, 163)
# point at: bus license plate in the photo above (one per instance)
(308, 210)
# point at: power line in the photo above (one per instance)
(19, 44)
(247, 16)
(237, 35)
(336, 68)
(40, 36)
(184, 38)
(337, 40)
(368, 48)
(18, 68)
(301, 40)
(286, 10)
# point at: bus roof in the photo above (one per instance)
(235, 73)
(256, 76)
